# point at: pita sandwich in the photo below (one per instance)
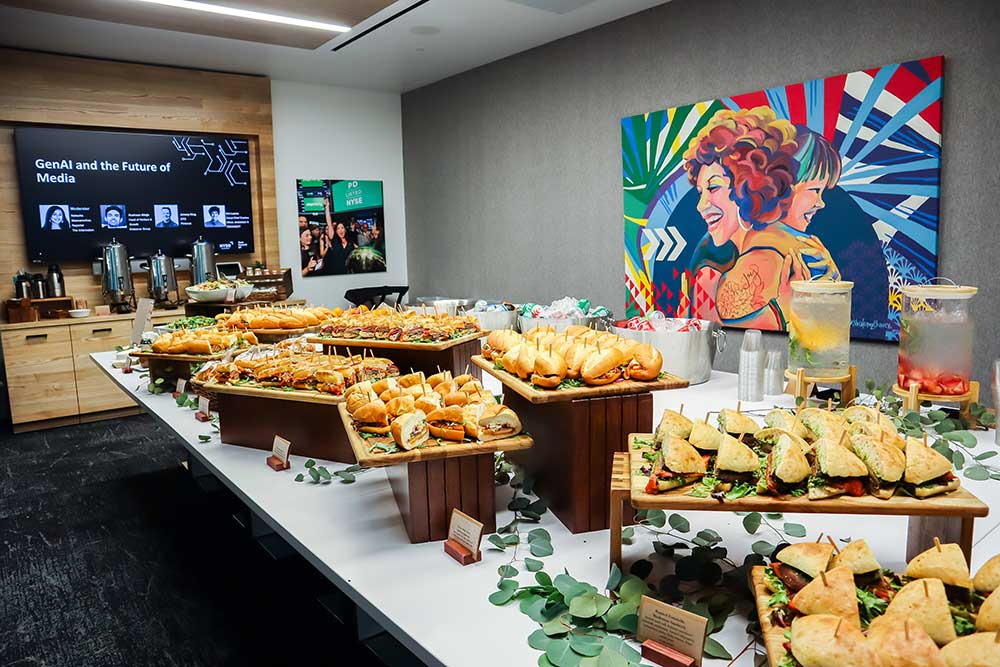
(735, 456)
(831, 592)
(885, 464)
(787, 421)
(768, 437)
(924, 601)
(737, 423)
(987, 577)
(942, 561)
(928, 472)
(810, 558)
(858, 557)
(787, 468)
(901, 642)
(822, 424)
(703, 436)
(989, 614)
(824, 640)
(878, 432)
(977, 650)
(837, 468)
(677, 464)
(673, 423)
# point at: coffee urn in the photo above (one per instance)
(202, 261)
(116, 277)
(161, 277)
(55, 281)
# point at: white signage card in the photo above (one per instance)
(466, 531)
(143, 319)
(280, 448)
(181, 385)
(672, 627)
(231, 295)
(203, 405)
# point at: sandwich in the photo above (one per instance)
(768, 437)
(383, 384)
(447, 423)
(575, 330)
(328, 380)
(822, 424)
(863, 414)
(410, 430)
(942, 561)
(444, 387)
(979, 650)
(470, 387)
(837, 471)
(787, 421)
(987, 578)
(549, 371)
(825, 640)
(885, 464)
(428, 403)
(532, 334)
(372, 417)
(393, 392)
(878, 432)
(925, 602)
(358, 398)
(798, 564)
(470, 419)
(399, 406)
(456, 398)
(509, 358)
(859, 558)
(602, 367)
(928, 472)
(438, 378)
(875, 589)
(988, 618)
(364, 387)
(832, 592)
(498, 421)
(463, 379)
(677, 464)
(900, 642)
(704, 436)
(419, 389)
(646, 363)
(410, 379)
(786, 471)
(575, 356)
(675, 424)
(736, 423)
(526, 361)
(736, 468)
(627, 347)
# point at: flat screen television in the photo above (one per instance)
(83, 188)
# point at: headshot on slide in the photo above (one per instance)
(54, 217)
(215, 215)
(113, 216)
(165, 215)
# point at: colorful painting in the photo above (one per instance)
(728, 201)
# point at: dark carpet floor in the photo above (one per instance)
(110, 554)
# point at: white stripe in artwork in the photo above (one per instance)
(866, 134)
(906, 207)
(883, 230)
(857, 85)
(684, 136)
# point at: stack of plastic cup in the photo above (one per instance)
(774, 373)
(751, 370)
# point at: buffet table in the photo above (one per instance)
(433, 606)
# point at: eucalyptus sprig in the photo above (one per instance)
(320, 475)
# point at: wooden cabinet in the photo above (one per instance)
(40, 378)
(95, 391)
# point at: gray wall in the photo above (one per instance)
(513, 170)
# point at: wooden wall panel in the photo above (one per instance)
(47, 89)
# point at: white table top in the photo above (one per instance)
(353, 534)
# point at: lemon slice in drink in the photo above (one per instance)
(813, 335)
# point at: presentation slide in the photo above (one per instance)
(82, 188)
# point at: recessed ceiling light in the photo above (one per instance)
(248, 14)
(425, 30)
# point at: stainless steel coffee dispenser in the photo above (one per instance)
(202, 261)
(116, 277)
(161, 277)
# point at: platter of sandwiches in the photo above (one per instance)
(271, 320)
(292, 372)
(822, 606)
(417, 418)
(386, 327)
(813, 460)
(543, 366)
(197, 344)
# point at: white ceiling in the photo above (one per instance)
(392, 58)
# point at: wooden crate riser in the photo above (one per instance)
(456, 359)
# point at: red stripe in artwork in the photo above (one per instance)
(751, 100)
(833, 93)
(796, 94)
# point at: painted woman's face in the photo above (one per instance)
(716, 204)
(807, 200)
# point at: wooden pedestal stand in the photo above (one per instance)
(429, 358)
(949, 517)
(172, 367)
(802, 385)
(251, 417)
(579, 429)
(429, 482)
(912, 399)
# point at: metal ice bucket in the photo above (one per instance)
(686, 354)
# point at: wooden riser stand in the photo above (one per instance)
(912, 399)
(801, 385)
(457, 359)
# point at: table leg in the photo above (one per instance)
(922, 530)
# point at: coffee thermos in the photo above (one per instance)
(55, 282)
(38, 286)
(202, 261)
(22, 285)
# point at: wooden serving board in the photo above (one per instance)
(367, 459)
(182, 357)
(372, 343)
(774, 636)
(958, 503)
(535, 395)
(298, 395)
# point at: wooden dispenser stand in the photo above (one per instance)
(912, 399)
(801, 385)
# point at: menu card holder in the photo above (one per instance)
(464, 536)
